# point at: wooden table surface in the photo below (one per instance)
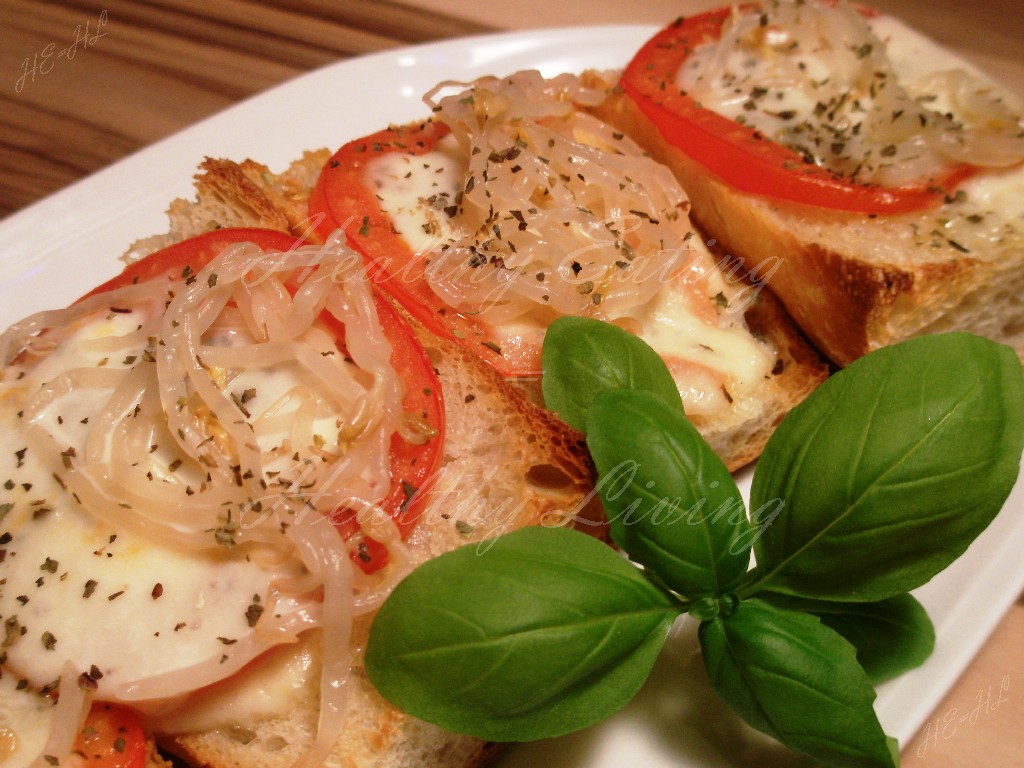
(83, 83)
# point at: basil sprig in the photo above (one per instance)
(874, 484)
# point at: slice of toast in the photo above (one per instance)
(507, 464)
(737, 431)
(853, 281)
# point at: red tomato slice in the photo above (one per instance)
(178, 261)
(412, 466)
(741, 156)
(342, 200)
(111, 737)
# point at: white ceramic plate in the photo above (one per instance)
(55, 250)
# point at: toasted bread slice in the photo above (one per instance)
(736, 430)
(507, 464)
(855, 282)
(799, 369)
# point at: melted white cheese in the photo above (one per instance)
(272, 685)
(109, 601)
(75, 590)
(711, 364)
(405, 182)
(999, 191)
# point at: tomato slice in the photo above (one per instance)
(178, 261)
(412, 464)
(111, 737)
(741, 156)
(342, 200)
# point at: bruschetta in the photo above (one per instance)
(878, 172)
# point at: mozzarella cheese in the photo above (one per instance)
(116, 605)
(404, 183)
(123, 609)
(274, 684)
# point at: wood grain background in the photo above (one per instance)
(160, 66)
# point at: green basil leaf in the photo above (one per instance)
(890, 469)
(797, 681)
(671, 503)
(530, 635)
(891, 636)
(582, 356)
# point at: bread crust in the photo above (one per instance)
(853, 282)
(798, 371)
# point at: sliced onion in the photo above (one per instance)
(324, 553)
(557, 207)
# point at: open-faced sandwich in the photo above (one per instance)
(514, 206)
(879, 175)
(217, 465)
